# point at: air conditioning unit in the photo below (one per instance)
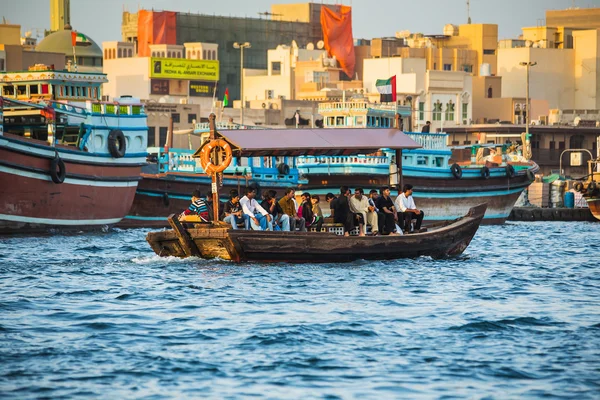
(269, 94)
(183, 101)
(543, 120)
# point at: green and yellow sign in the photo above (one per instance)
(176, 68)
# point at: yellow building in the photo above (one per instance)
(576, 18)
(463, 48)
(60, 14)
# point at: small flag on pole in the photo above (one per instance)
(386, 89)
(79, 39)
(226, 98)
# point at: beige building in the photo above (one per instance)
(566, 78)
(17, 57)
(442, 97)
(576, 18)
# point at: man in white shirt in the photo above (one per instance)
(359, 204)
(407, 210)
(254, 215)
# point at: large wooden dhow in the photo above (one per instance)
(67, 160)
(217, 240)
(590, 187)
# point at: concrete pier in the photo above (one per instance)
(551, 214)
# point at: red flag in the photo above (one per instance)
(73, 38)
(337, 35)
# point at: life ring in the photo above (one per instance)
(116, 143)
(205, 155)
(57, 170)
(485, 172)
(456, 170)
(578, 186)
(510, 171)
(283, 169)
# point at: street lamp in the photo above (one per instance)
(241, 46)
(527, 64)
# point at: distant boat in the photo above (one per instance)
(447, 182)
(68, 161)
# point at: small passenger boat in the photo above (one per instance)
(218, 240)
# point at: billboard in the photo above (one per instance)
(202, 89)
(180, 68)
(159, 86)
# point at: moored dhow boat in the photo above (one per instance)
(447, 181)
(590, 188)
(68, 161)
(217, 240)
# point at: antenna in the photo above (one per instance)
(468, 11)
(266, 14)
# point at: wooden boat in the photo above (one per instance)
(590, 188)
(68, 161)
(217, 240)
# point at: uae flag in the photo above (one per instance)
(79, 39)
(226, 98)
(386, 89)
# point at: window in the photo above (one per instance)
(467, 142)
(191, 118)
(421, 111)
(467, 68)
(21, 90)
(437, 111)
(34, 89)
(162, 135)
(447, 67)
(422, 160)
(276, 68)
(434, 66)
(489, 52)
(130, 53)
(450, 111)
(465, 111)
(204, 54)
(552, 145)
(175, 117)
(561, 145)
(151, 136)
(120, 53)
(8, 91)
(489, 93)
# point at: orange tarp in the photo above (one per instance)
(337, 35)
(155, 28)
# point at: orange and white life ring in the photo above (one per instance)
(205, 156)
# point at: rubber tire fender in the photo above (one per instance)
(485, 172)
(578, 186)
(117, 145)
(592, 186)
(456, 171)
(58, 170)
(510, 171)
(283, 169)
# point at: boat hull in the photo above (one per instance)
(240, 245)
(594, 205)
(97, 191)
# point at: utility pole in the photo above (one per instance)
(527, 115)
(241, 46)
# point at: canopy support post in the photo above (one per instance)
(214, 186)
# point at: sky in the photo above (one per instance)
(101, 19)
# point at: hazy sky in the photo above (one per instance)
(101, 19)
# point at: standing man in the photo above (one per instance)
(288, 206)
(426, 128)
(254, 215)
(386, 205)
(405, 204)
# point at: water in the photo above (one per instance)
(99, 316)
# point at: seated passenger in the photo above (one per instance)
(407, 209)
(373, 196)
(288, 206)
(232, 214)
(359, 205)
(340, 208)
(306, 211)
(316, 208)
(198, 207)
(386, 204)
(281, 221)
(254, 215)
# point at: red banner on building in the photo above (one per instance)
(155, 28)
(337, 35)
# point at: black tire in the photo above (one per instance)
(283, 169)
(58, 170)
(117, 145)
(510, 171)
(530, 176)
(578, 186)
(485, 172)
(456, 171)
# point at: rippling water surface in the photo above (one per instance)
(100, 316)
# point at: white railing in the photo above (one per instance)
(205, 127)
(433, 141)
(342, 160)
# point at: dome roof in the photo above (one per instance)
(60, 42)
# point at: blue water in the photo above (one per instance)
(99, 316)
